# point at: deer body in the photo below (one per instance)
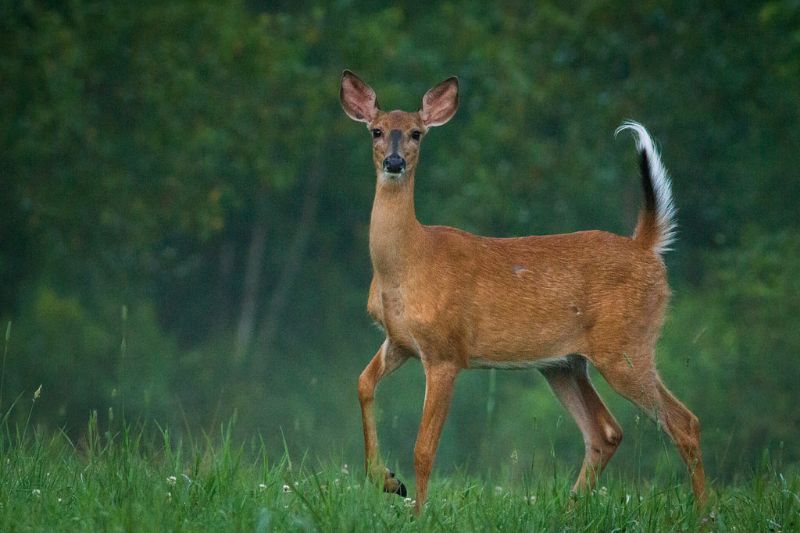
(512, 302)
(557, 302)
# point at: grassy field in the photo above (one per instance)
(126, 481)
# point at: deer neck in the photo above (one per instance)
(394, 228)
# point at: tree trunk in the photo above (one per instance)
(227, 256)
(252, 281)
(291, 266)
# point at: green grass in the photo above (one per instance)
(143, 481)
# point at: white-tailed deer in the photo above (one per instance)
(456, 300)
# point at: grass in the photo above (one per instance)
(140, 480)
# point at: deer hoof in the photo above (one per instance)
(393, 485)
(400, 490)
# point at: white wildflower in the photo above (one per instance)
(36, 492)
(262, 487)
(345, 470)
(409, 502)
(287, 488)
(171, 480)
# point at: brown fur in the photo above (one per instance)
(456, 300)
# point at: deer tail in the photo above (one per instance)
(656, 226)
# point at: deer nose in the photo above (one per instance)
(394, 164)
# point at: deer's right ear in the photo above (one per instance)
(358, 99)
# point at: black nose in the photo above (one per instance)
(394, 164)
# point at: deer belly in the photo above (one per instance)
(517, 364)
(526, 336)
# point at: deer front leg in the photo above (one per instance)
(439, 382)
(388, 359)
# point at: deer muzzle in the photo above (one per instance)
(394, 164)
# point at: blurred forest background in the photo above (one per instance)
(185, 210)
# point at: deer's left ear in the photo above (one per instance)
(440, 103)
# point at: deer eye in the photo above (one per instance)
(376, 133)
(416, 134)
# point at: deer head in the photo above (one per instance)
(396, 135)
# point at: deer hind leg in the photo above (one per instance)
(635, 377)
(601, 432)
(388, 359)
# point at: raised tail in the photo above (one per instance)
(656, 226)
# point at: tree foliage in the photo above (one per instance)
(185, 207)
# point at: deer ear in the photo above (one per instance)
(357, 98)
(440, 103)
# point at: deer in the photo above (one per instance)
(557, 303)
